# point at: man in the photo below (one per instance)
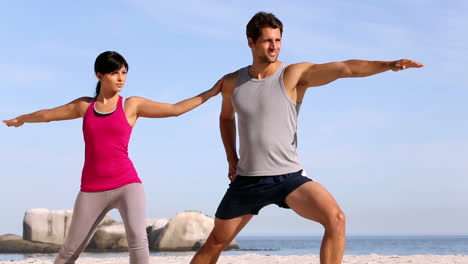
(266, 97)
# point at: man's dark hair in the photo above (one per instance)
(262, 20)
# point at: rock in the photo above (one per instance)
(186, 231)
(107, 220)
(44, 225)
(155, 231)
(150, 222)
(16, 245)
(50, 226)
(113, 237)
(109, 237)
(10, 237)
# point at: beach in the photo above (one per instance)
(272, 259)
(296, 250)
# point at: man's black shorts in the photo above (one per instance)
(249, 194)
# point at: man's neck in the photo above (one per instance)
(263, 70)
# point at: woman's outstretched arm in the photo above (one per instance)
(72, 110)
(142, 107)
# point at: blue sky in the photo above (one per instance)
(391, 148)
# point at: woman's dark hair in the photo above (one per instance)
(108, 62)
(262, 20)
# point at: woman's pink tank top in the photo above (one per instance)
(107, 165)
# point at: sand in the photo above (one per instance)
(272, 259)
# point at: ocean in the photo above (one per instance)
(359, 245)
(302, 245)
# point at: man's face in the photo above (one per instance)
(268, 45)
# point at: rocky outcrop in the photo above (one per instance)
(44, 231)
(16, 244)
(10, 237)
(150, 222)
(155, 231)
(113, 237)
(186, 231)
(110, 237)
(50, 226)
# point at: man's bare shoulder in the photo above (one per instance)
(299, 67)
(231, 77)
(229, 83)
(294, 72)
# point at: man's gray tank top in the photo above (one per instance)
(267, 124)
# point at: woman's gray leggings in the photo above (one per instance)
(91, 207)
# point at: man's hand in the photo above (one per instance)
(13, 122)
(232, 174)
(404, 64)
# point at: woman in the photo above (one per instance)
(109, 179)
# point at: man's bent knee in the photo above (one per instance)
(335, 222)
(217, 243)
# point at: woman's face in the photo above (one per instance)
(113, 81)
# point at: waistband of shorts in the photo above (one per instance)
(299, 172)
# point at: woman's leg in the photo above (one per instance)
(132, 208)
(89, 210)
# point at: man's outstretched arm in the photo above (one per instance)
(310, 75)
(362, 68)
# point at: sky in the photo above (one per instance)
(391, 148)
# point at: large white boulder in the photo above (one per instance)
(155, 231)
(114, 236)
(150, 222)
(186, 231)
(50, 226)
(9, 237)
(110, 237)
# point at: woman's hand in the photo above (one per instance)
(216, 89)
(15, 122)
